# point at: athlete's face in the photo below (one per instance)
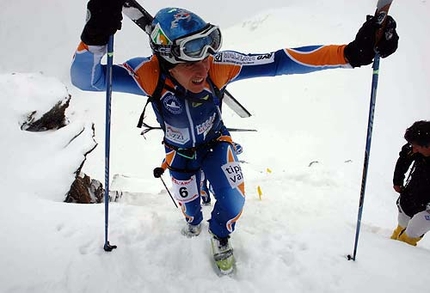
(425, 151)
(191, 76)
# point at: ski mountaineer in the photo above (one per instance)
(414, 200)
(187, 58)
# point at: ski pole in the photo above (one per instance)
(107, 246)
(381, 13)
(367, 151)
(167, 189)
(158, 172)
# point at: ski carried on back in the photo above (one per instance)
(234, 104)
(148, 128)
(142, 18)
(138, 15)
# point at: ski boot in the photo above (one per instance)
(223, 254)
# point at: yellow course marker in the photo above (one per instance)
(260, 193)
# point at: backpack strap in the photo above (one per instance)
(155, 97)
(219, 93)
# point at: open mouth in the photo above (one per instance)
(197, 81)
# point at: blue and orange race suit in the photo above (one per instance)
(195, 136)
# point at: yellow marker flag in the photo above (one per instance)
(260, 193)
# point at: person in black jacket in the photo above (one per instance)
(414, 200)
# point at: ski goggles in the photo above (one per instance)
(198, 46)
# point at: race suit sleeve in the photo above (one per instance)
(402, 165)
(284, 61)
(87, 72)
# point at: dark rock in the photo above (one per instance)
(53, 119)
(85, 190)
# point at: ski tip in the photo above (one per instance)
(383, 6)
(226, 270)
(226, 273)
(383, 3)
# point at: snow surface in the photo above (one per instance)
(294, 239)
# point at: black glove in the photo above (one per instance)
(158, 172)
(103, 19)
(388, 44)
(362, 50)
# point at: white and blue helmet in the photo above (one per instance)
(180, 36)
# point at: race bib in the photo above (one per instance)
(233, 173)
(185, 190)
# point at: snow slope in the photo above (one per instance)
(293, 239)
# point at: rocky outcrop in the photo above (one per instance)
(53, 119)
(85, 190)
